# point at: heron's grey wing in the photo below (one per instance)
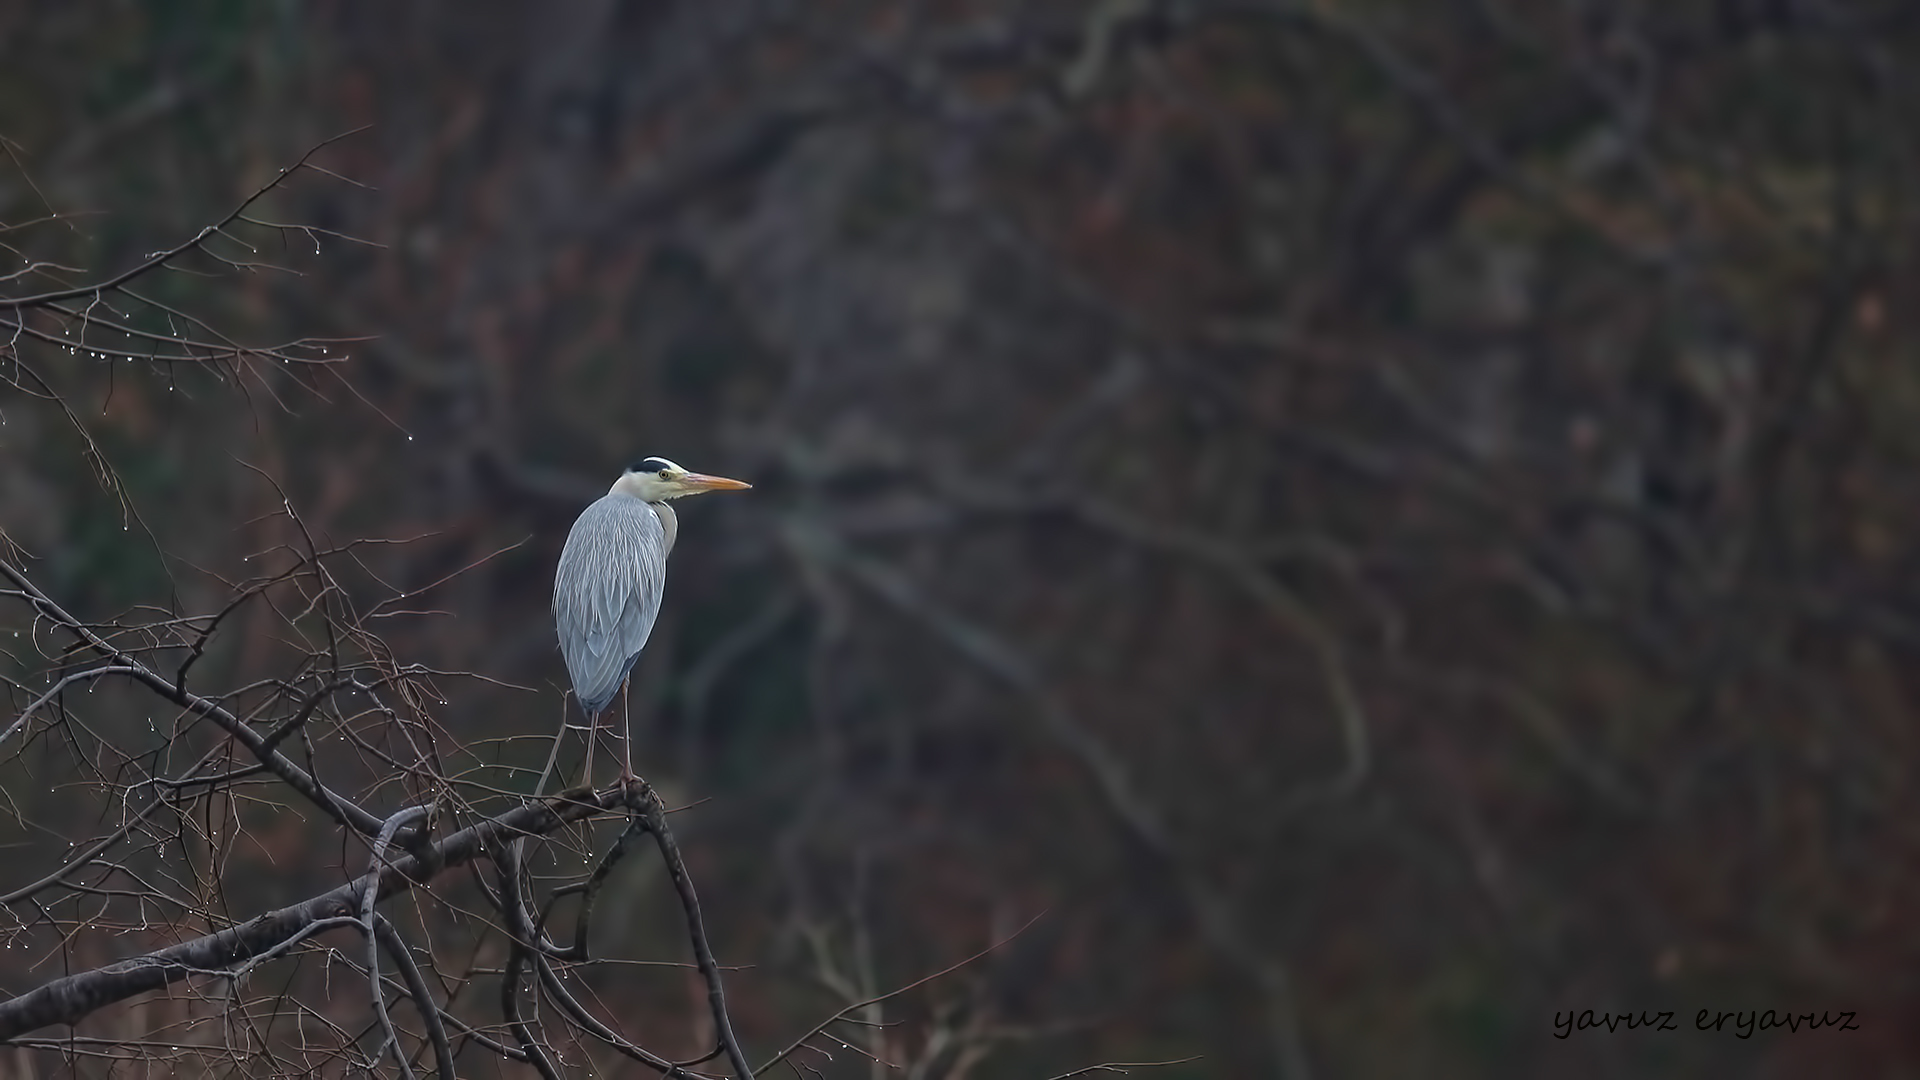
(606, 594)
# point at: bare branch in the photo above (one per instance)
(66, 1000)
(162, 258)
(653, 812)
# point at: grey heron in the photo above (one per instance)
(606, 592)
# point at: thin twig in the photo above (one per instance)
(335, 806)
(162, 258)
(1122, 1066)
(896, 992)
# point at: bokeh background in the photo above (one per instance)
(1379, 521)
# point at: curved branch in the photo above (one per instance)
(533, 945)
(590, 890)
(367, 900)
(59, 688)
(558, 994)
(506, 858)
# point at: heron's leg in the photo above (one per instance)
(553, 755)
(626, 737)
(586, 771)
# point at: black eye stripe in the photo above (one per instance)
(650, 465)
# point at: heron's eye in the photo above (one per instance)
(666, 473)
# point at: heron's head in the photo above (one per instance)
(656, 479)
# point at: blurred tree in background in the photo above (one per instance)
(1376, 520)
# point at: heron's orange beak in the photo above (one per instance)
(695, 482)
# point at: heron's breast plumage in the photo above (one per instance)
(606, 593)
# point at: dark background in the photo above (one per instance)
(1377, 521)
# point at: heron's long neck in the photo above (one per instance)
(669, 521)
